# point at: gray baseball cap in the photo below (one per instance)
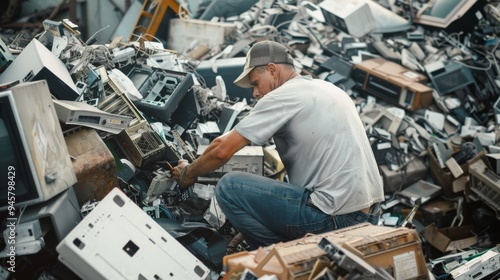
(260, 54)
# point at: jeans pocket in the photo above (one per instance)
(298, 231)
(350, 219)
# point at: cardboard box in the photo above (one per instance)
(445, 178)
(451, 238)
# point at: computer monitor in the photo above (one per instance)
(346, 16)
(36, 63)
(449, 14)
(386, 21)
(34, 157)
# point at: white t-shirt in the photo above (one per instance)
(321, 141)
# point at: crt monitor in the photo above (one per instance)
(452, 15)
(34, 157)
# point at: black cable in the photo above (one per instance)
(275, 175)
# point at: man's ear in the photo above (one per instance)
(272, 68)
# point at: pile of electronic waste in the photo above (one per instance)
(426, 85)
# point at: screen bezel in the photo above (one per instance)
(22, 152)
(460, 9)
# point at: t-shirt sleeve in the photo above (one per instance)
(263, 121)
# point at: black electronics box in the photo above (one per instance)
(450, 77)
(162, 90)
(439, 212)
(397, 180)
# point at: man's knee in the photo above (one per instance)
(224, 184)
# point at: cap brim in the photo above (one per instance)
(242, 80)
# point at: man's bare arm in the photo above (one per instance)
(215, 155)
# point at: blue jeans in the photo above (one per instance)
(267, 211)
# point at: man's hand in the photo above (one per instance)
(180, 174)
(220, 151)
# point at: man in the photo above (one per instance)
(334, 179)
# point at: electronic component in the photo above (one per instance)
(313, 10)
(139, 142)
(249, 159)
(35, 63)
(374, 115)
(118, 102)
(198, 196)
(81, 87)
(161, 183)
(415, 35)
(479, 267)
(33, 146)
(419, 193)
(348, 265)
(458, 257)
(123, 55)
(119, 240)
(122, 84)
(453, 17)
(385, 51)
(152, 211)
(95, 79)
(346, 16)
(54, 27)
(87, 207)
(70, 26)
(450, 77)
(393, 83)
(79, 113)
(4, 273)
(25, 248)
(394, 180)
(60, 212)
(485, 185)
(339, 69)
(6, 57)
(162, 90)
(204, 191)
(187, 111)
(25, 232)
(183, 145)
